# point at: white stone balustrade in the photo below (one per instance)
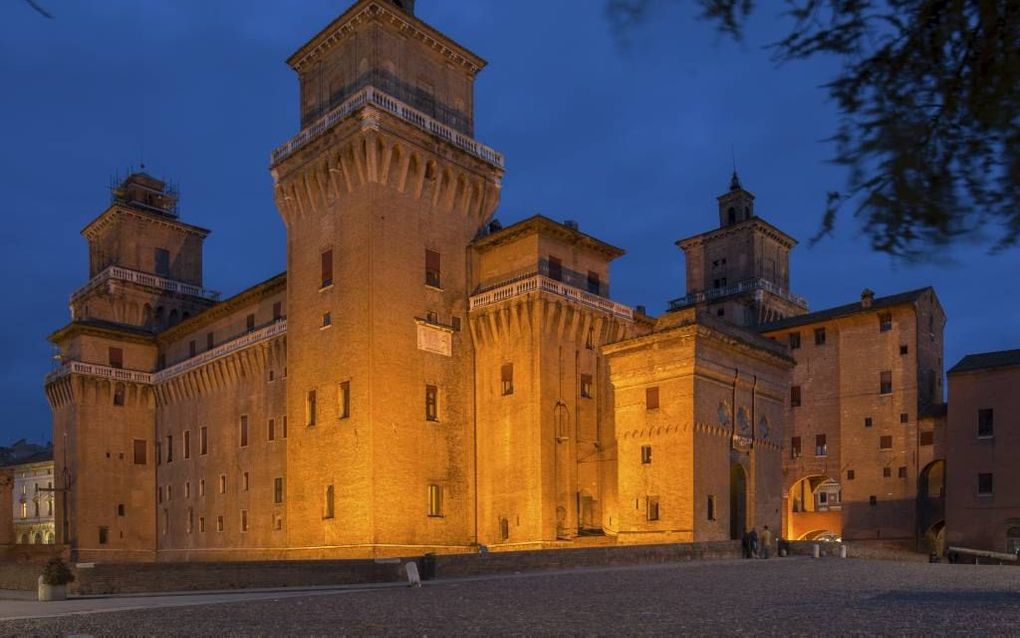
(558, 288)
(144, 279)
(375, 97)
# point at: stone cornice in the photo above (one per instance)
(755, 223)
(111, 331)
(540, 224)
(373, 10)
(226, 307)
(108, 216)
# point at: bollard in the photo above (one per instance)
(842, 551)
(815, 551)
(412, 574)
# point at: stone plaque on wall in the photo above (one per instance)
(433, 338)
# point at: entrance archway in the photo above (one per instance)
(815, 509)
(738, 501)
(931, 498)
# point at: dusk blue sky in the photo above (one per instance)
(632, 143)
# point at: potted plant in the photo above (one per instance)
(53, 582)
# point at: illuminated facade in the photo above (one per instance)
(420, 378)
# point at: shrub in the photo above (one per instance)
(57, 573)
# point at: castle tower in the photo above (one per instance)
(381, 193)
(145, 269)
(741, 270)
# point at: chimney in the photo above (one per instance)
(867, 296)
(640, 309)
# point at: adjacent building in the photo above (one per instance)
(983, 480)
(33, 509)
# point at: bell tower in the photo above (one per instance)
(741, 270)
(381, 192)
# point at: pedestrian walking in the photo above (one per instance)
(766, 542)
(754, 543)
(745, 543)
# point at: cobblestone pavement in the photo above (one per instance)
(779, 596)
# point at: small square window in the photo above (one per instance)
(885, 442)
(904, 349)
(850, 475)
(986, 423)
(927, 438)
(886, 472)
(904, 417)
(868, 422)
(327, 320)
(985, 484)
(902, 472)
(646, 454)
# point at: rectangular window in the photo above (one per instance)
(652, 508)
(272, 429)
(586, 386)
(986, 423)
(169, 448)
(249, 323)
(209, 341)
(646, 454)
(821, 446)
(327, 269)
(159, 452)
(431, 403)
(187, 489)
(904, 417)
(594, 285)
(116, 358)
(506, 374)
(277, 311)
(104, 535)
(819, 336)
(885, 442)
(850, 475)
(902, 472)
(904, 349)
(710, 508)
(868, 422)
(245, 484)
(327, 320)
(244, 520)
(192, 348)
(435, 500)
(504, 529)
(343, 403)
(885, 322)
(278, 490)
(794, 340)
(555, 269)
(652, 398)
(244, 430)
(201, 524)
(140, 452)
(201, 487)
(795, 396)
(203, 441)
(589, 342)
(120, 509)
(285, 426)
(795, 447)
(329, 506)
(118, 395)
(223, 483)
(187, 444)
(432, 271)
(985, 484)
(886, 472)
(885, 382)
(219, 523)
(311, 409)
(161, 259)
(927, 438)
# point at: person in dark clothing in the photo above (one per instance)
(745, 544)
(753, 541)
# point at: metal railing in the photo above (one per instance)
(747, 285)
(542, 283)
(375, 97)
(145, 279)
(135, 376)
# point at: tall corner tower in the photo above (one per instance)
(145, 275)
(741, 270)
(381, 192)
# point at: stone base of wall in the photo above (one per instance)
(21, 565)
(124, 578)
(876, 550)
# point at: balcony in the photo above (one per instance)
(374, 97)
(748, 285)
(537, 282)
(136, 376)
(144, 279)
